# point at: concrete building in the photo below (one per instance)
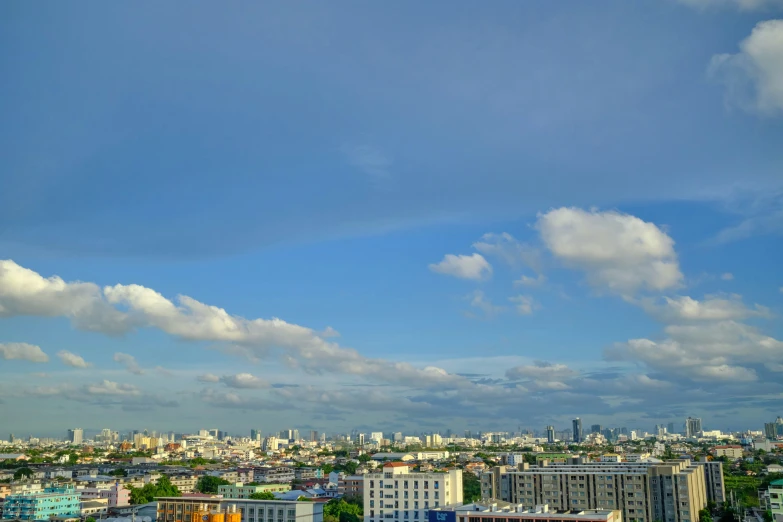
(75, 435)
(713, 480)
(115, 496)
(643, 492)
(180, 509)
(351, 486)
(692, 427)
(64, 501)
(730, 451)
(398, 494)
(185, 483)
(239, 491)
(776, 500)
(550, 434)
(499, 511)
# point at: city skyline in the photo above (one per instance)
(392, 217)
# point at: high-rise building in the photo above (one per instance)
(596, 428)
(397, 436)
(313, 436)
(550, 434)
(770, 430)
(360, 439)
(670, 428)
(642, 491)
(255, 434)
(295, 436)
(376, 436)
(402, 495)
(577, 425)
(692, 426)
(76, 435)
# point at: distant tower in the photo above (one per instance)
(550, 434)
(577, 423)
(75, 435)
(692, 426)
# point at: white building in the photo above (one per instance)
(398, 494)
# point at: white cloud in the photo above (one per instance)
(743, 5)
(208, 377)
(483, 303)
(463, 266)
(509, 249)
(753, 77)
(725, 350)
(112, 388)
(71, 359)
(727, 276)
(524, 304)
(711, 308)
(22, 352)
(129, 362)
(530, 281)
(24, 292)
(616, 251)
(244, 380)
(541, 370)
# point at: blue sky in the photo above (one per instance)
(391, 216)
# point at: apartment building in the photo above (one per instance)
(643, 492)
(51, 502)
(713, 475)
(239, 490)
(116, 495)
(279, 474)
(776, 500)
(351, 486)
(181, 509)
(398, 494)
(730, 451)
(498, 511)
(185, 483)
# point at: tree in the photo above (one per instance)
(263, 495)
(364, 458)
(148, 493)
(73, 458)
(119, 472)
(209, 484)
(704, 515)
(23, 472)
(302, 498)
(327, 468)
(342, 511)
(471, 488)
(89, 519)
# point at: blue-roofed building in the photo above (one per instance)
(61, 501)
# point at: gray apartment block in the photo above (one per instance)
(642, 491)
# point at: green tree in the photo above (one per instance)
(73, 459)
(327, 468)
(338, 510)
(302, 498)
(364, 458)
(89, 519)
(471, 488)
(263, 495)
(148, 493)
(209, 484)
(705, 516)
(23, 472)
(119, 472)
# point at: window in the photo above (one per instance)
(372, 483)
(415, 494)
(415, 484)
(405, 484)
(405, 494)
(372, 503)
(437, 483)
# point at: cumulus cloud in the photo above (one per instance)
(129, 362)
(727, 276)
(506, 247)
(541, 370)
(103, 393)
(23, 352)
(463, 266)
(711, 308)
(25, 292)
(71, 359)
(725, 350)
(523, 304)
(244, 380)
(111, 388)
(753, 77)
(208, 377)
(530, 281)
(617, 251)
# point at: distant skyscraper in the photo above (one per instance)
(360, 439)
(550, 434)
(398, 436)
(577, 424)
(255, 434)
(596, 428)
(692, 426)
(76, 435)
(295, 435)
(468, 434)
(670, 428)
(313, 436)
(770, 431)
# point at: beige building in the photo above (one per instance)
(185, 483)
(643, 492)
(398, 494)
(181, 509)
(730, 451)
(351, 486)
(499, 511)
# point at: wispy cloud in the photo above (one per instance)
(368, 159)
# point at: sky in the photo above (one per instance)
(390, 216)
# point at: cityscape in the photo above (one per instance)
(391, 261)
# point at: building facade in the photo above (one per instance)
(577, 429)
(642, 492)
(351, 486)
(51, 502)
(498, 511)
(182, 509)
(399, 494)
(75, 435)
(240, 491)
(692, 427)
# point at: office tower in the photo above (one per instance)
(468, 434)
(596, 428)
(360, 439)
(313, 436)
(413, 493)
(376, 436)
(255, 434)
(577, 424)
(642, 491)
(76, 435)
(670, 428)
(212, 433)
(295, 435)
(397, 437)
(770, 430)
(550, 434)
(692, 426)
(779, 426)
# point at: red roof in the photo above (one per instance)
(396, 465)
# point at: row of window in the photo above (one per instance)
(435, 494)
(406, 505)
(435, 484)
